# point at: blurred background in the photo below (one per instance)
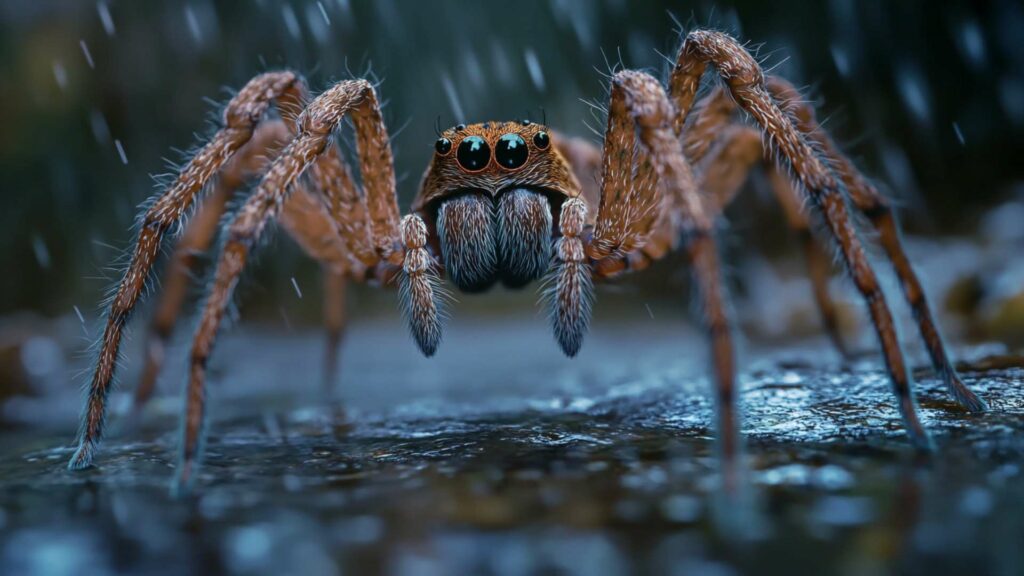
(100, 96)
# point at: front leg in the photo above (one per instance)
(649, 199)
(316, 126)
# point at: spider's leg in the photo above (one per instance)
(876, 207)
(241, 116)
(633, 217)
(346, 204)
(744, 77)
(640, 110)
(317, 123)
(710, 115)
(307, 220)
(723, 170)
(196, 240)
(369, 222)
(819, 264)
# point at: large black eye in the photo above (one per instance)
(541, 140)
(474, 153)
(511, 151)
(443, 146)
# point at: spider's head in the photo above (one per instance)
(491, 198)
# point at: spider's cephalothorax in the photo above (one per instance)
(511, 202)
(490, 198)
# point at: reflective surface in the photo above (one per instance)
(513, 460)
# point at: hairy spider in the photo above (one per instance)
(512, 202)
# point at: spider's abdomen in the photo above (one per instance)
(484, 239)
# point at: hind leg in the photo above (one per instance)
(876, 207)
(726, 165)
(745, 80)
(194, 242)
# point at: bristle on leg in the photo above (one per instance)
(418, 286)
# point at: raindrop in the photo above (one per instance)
(316, 24)
(120, 152)
(88, 56)
(290, 21)
(193, 24)
(100, 130)
(1011, 94)
(972, 43)
(323, 12)
(60, 74)
(471, 64)
(295, 285)
(533, 64)
(841, 60)
(898, 168)
(41, 251)
(912, 89)
(501, 64)
(108, 23)
(959, 134)
(581, 16)
(453, 97)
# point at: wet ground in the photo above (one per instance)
(501, 457)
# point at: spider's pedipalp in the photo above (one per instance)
(571, 292)
(466, 231)
(524, 236)
(418, 285)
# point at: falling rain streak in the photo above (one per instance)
(104, 13)
(85, 52)
(120, 152)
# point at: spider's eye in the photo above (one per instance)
(443, 146)
(541, 140)
(474, 154)
(511, 151)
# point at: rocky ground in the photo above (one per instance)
(501, 457)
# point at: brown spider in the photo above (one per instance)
(511, 202)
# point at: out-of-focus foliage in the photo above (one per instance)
(929, 96)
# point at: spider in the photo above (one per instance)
(511, 203)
